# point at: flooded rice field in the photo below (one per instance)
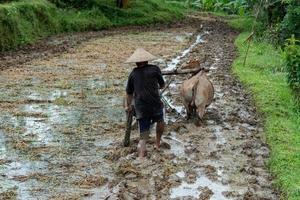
(62, 123)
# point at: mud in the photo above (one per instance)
(62, 121)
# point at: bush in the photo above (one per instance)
(5, 1)
(231, 7)
(83, 21)
(73, 3)
(25, 21)
(292, 63)
(290, 24)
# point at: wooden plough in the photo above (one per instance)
(183, 71)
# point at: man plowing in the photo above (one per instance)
(143, 86)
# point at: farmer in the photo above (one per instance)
(143, 86)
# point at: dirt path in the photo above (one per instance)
(62, 122)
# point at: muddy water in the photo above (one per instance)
(62, 125)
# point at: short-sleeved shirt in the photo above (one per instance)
(143, 83)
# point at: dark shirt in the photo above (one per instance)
(143, 83)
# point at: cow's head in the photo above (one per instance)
(191, 64)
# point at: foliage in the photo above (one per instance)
(280, 19)
(86, 20)
(229, 6)
(273, 98)
(25, 21)
(138, 12)
(292, 62)
(5, 1)
(290, 24)
(73, 3)
(276, 20)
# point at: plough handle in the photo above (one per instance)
(129, 117)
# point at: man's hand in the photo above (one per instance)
(162, 86)
(128, 103)
(128, 108)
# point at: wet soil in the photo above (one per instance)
(62, 121)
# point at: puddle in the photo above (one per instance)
(170, 104)
(177, 146)
(104, 143)
(39, 132)
(46, 96)
(219, 135)
(105, 192)
(3, 149)
(194, 189)
(16, 174)
(183, 37)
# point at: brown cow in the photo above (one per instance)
(197, 93)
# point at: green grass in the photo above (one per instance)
(274, 99)
(26, 21)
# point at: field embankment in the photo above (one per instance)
(264, 76)
(25, 21)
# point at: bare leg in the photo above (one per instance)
(201, 111)
(142, 144)
(200, 114)
(160, 126)
(141, 148)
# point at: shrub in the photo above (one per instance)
(292, 63)
(5, 1)
(73, 3)
(231, 7)
(25, 21)
(291, 22)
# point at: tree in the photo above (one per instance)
(122, 3)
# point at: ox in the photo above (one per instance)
(197, 93)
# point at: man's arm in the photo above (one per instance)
(129, 93)
(128, 105)
(162, 86)
(160, 79)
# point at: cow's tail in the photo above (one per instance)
(194, 93)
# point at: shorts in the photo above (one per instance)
(146, 122)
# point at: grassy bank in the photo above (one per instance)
(25, 21)
(263, 75)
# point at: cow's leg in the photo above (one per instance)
(198, 113)
(187, 108)
(191, 111)
(201, 111)
(194, 112)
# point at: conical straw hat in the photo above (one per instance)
(140, 55)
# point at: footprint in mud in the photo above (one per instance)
(200, 188)
(176, 146)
